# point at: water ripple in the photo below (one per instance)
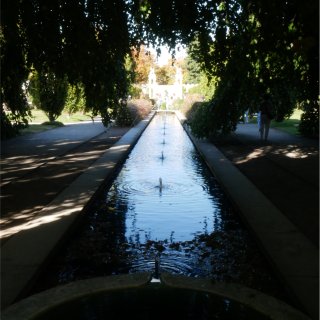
(148, 187)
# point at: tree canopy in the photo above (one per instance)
(250, 46)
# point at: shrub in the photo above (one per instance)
(199, 119)
(122, 114)
(188, 102)
(139, 109)
(309, 125)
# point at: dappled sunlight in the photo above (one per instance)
(66, 142)
(14, 168)
(23, 216)
(25, 221)
(296, 152)
(256, 153)
(36, 175)
(23, 159)
(18, 166)
(49, 177)
(10, 231)
(17, 208)
(58, 176)
(290, 151)
(119, 148)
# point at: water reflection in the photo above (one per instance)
(187, 205)
(188, 222)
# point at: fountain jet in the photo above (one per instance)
(156, 274)
(157, 266)
(160, 184)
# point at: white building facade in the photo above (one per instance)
(165, 93)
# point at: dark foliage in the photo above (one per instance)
(252, 46)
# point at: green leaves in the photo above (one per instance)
(49, 92)
(258, 49)
(257, 46)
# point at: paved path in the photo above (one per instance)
(286, 170)
(37, 167)
(24, 153)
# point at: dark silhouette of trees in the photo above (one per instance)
(264, 47)
(251, 46)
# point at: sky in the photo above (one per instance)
(165, 55)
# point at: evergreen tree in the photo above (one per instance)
(49, 93)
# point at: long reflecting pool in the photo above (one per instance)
(164, 208)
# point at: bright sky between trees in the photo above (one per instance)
(166, 55)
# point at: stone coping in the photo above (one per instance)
(41, 303)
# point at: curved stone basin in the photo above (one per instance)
(135, 296)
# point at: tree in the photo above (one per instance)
(194, 74)
(49, 93)
(143, 61)
(253, 51)
(165, 74)
(256, 46)
(14, 72)
(192, 71)
(75, 100)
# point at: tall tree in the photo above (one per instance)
(143, 61)
(250, 46)
(49, 93)
(165, 74)
(75, 100)
(257, 47)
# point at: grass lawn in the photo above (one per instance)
(33, 128)
(289, 125)
(39, 117)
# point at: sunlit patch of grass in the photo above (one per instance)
(34, 128)
(38, 116)
(288, 125)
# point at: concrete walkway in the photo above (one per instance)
(27, 251)
(25, 153)
(282, 235)
(236, 163)
(36, 168)
(286, 170)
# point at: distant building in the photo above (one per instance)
(165, 92)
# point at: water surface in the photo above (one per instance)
(185, 220)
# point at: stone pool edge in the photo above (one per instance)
(24, 254)
(293, 256)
